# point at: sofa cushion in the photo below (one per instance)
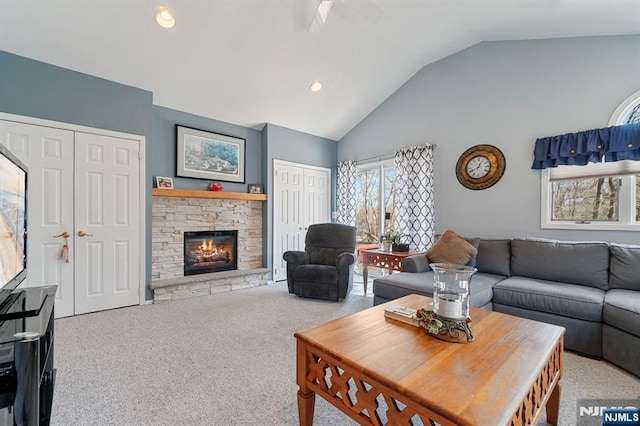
(494, 257)
(584, 337)
(568, 300)
(481, 289)
(622, 310)
(584, 263)
(624, 269)
(394, 286)
(451, 248)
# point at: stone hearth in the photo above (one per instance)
(205, 284)
(174, 215)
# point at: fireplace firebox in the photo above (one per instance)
(210, 251)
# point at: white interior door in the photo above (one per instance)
(81, 182)
(317, 207)
(106, 222)
(302, 197)
(288, 215)
(48, 154)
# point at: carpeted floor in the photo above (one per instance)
(226, 359)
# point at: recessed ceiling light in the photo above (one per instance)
(316, 86)
(165, 18)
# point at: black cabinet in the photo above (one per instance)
(27, 376)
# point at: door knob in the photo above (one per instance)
(65, 234)
(84, 234)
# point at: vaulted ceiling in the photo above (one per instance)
(249, 62)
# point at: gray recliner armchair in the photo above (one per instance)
(325, 269)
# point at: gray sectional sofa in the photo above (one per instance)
(590, 288)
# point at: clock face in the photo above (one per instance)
(478, 166)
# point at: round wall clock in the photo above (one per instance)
(480, 166)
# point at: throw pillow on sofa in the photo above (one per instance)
(451, 248)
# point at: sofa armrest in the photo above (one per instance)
(416, 263)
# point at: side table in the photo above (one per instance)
(389, 260)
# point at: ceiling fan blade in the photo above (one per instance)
(321, 15)
(368, 9)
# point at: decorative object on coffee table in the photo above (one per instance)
(455, 331)
(480, 167)
(450, 313)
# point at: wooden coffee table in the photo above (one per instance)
(506, 376)
(389, 260)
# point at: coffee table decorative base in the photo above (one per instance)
(363, 399)
(455, 331)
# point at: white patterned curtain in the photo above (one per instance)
(347, 192)
(415, 210)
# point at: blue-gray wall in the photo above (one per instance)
(505, 94)
(163, 155)
(36, 89)
(290, 145)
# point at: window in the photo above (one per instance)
(598, 195)
(375, 198)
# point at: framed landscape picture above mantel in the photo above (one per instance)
(211, 156)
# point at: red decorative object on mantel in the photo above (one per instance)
(215, 187)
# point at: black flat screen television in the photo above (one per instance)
(13, 224)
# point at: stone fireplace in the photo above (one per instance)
(210, 251)
(178, 214)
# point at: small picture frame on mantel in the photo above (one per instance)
(164, 182)
(255, 188)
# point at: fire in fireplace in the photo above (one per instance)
(210, 251)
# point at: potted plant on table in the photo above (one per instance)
(385, 241)
(392, 241)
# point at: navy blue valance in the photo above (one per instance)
(614, 143)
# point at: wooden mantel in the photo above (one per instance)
(191, 193)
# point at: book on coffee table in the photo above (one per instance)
(402, 313)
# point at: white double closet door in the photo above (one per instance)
(87, 186)
(302, 197)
